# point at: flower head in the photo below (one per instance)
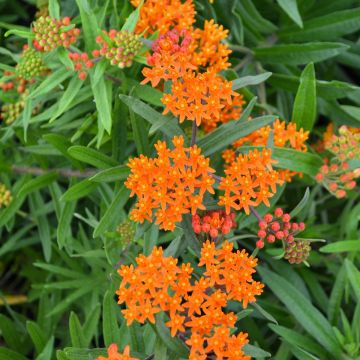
(172, 184)
(249, 181)
(52, 33)
(5, 196)
(164, 15)
(30, 64)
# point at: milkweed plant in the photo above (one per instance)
(179, 179)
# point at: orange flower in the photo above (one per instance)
(198, 97)
(227, 113)
(207, 50)
(173, 184)
(113, 354)
(164, 15)
(249, 181)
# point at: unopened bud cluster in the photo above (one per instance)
(126, 231)
(5, 196)
(120, 48)
(52, 33)
(31, 64)
(213, 223)
(81, 63)
(277, 227)
(346, 145)
(297, 251)
(11, 111)
(17, 83)
(338, 178)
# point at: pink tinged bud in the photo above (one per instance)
(351, 184)
(278, 212)
(302, 226)
(262, 224)
(197, 229)
(261, 233)
(82, 75)
(286, 217)
(333, 186)
(294, 226)
(225, 230)
(271, 238)
(279, 235)
(205, 227)
(290, 239)
(214, 233)
(275, 226)
(260, 244)
(268, 218)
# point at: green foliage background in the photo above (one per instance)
(58, 243)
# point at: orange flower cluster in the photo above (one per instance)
(113, 354)
(158, 284)
(164, 15)
(170, 59)
(227, 113)
(285, 135)
(206, 48)
(173, 183)
(198, 96)
(249, 181)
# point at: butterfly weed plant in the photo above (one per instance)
(179, 180)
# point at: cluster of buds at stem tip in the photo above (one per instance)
(337, 177)
(5, 196)
(297, 251)
(126, 231)
(52, 33)
(11, 111)
(278, 227)
(346, 146)
(213, 223)
(18, 83)
(81, 64)
(119, 47)
(31, 64)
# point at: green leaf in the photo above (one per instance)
(297, 209)
(173, 343)
(117, 173)
(301, 308)
(9, 332)
(255, 351)
(37, 335)
(297, 54)
(342, 246)
(250, 80)
(54, 9)
(300, 340)
(132, 20)
(111, 331)
(304, 111)
(91, 157)
(89, 24)
(326, 89)
(113, 212)
(27, 115)
(166, 124)
(353, 275)
(76, 331)
(91, 324)
(103, 103)
(328, 27)
(50, 82)
(27, 34)
(64, 226)
(79, 190)
(68, 96)
(7, 354)
(37, 183)
(291, 9)
(140, 134)
(227, 133)
(48, 349)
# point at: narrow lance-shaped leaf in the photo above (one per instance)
(304, 111)
(291, 9)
